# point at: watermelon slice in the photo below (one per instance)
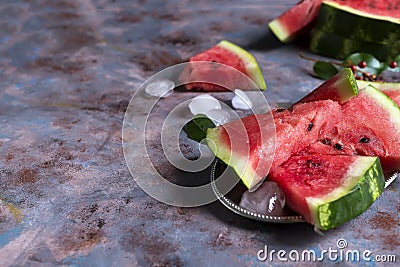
(341, 88)
(392, 90)
(360, 26)
(251, 147)
(209, 75)
(295, 21)
(301, 17)
(328, 190)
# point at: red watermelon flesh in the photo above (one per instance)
(310, 176)
(373, 110)
(301, 17)
(394, 95)
(295, 21)
(341, 87)
(313, 183)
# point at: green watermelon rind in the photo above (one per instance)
(251, 65)
(239, 162)
(363, 185)
(336, 18)
(336, 46)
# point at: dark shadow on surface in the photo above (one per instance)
(266, 42)
(294, 234)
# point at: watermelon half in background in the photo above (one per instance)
(209, 74)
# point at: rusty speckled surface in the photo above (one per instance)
(67, 72)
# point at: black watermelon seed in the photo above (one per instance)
(311, 164)
(338, 146)
(364, 140)
(326, 141)
(310, 126)
(280, 109)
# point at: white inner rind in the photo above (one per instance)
(386, 103)
(354, 174)
(253, 70)
(383, 86)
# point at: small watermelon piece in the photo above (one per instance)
(228, 54)
(392, 90)
(295, 21)
(341, 88)
(370, 20)
(328, 190)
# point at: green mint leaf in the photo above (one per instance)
(196, 129)
(324, 70)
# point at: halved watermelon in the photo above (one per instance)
(337, 46)
(328, 190)
(209, 75)
(392, 90)
(295, 21)
(341, 88)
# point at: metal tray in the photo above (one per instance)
(232, 198)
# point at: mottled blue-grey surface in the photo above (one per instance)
(67, 72)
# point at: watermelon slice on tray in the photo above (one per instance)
(205, 69)
(295, 21)
(328, 190)
(300, 18)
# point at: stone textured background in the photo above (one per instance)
(67, 72)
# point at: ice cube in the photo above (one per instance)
(203, 103)
(241, 100)
(268, 199)
(160, 88)
(218, 116)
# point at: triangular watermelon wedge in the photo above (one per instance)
(222, 67)
(328, 190)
